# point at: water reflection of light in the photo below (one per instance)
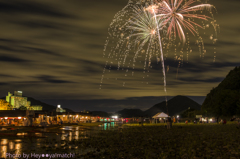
(18, 146)
(55, 145)
(77, 135)
(62, 137)
(38, 142)
(18, 140)
(3, 151)
(4, 141)
(21, 134)
(68, 127)
(11, 145)
(55, 141)
(105, 126)
(70, 136)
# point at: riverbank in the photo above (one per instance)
(133, 141)
(156, 141)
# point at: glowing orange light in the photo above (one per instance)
(153, 32)
(152, 8)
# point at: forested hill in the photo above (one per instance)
(224, 100)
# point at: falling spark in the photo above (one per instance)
(177, 15)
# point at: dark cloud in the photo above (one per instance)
(11, 59)
(39, 25)
(31, 7)
(222, 43)
(3, 84)
(50, 79)
(5, 75)
(7, 40)
(42, 51)
(6, 48)
(225, 64)
(212, 80)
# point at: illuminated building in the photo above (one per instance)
(17, 100)
(17, 109)
(36, 107)
(59, 109)
(4, 105)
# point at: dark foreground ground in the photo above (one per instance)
(132, 141)
(151, 141)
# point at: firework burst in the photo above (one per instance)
(148, 30)
(144, 28)
(179, 15)
(137, 35)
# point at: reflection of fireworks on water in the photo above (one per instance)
(135, 32)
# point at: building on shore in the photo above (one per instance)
(4, 105)
(18, 117)
(17, 101)
(17, 110)
(59, 109)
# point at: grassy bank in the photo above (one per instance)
(177, 124)
(155, 141)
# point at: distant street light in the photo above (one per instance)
(178, 118)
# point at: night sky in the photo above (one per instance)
(52, 50)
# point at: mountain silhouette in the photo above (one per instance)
(45, 106)
(100, 113)
(176, 105)
(128, 113)
(224, 100)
